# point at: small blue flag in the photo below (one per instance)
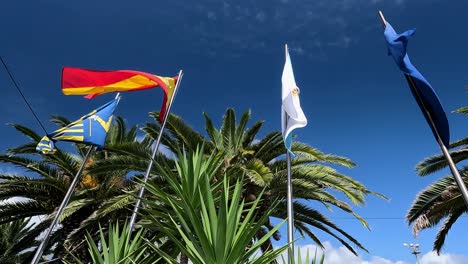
(90, 129)
(420, 87)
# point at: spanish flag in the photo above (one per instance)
(76, 81)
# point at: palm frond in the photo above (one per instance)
(438, 162)
(462, 110)
(257, 172)
(60, 121)
(27, 132)
(239, 133)
(459, 143)
(427, 198)
(250, 134)
(228, 130)
(11, 211)
(32, 188)
(445, 228)
(188, 137)
(212, 132)
(28, 148)
(39, 167)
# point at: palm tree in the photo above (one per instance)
(97, 199)
(262, 161)
(13, 248)
(441, 200)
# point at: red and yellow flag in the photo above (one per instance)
(76, 81)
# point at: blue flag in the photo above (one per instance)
(90, 129)
(421, 89)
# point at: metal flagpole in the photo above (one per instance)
(66, 199)
(155, 150)
(449, 159)
(290, 206)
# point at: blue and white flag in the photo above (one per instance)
(90, 129)
(292, 116)
(421, 89)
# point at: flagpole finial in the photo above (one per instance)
(382, 19)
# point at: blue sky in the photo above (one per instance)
(356, 100)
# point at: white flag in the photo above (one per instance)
(292, 116)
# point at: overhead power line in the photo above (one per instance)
(375, 218)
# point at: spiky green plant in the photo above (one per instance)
(207, 218)
(117, 248)
(308, 259)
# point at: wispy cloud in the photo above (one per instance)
(229, 28)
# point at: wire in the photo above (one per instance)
(376, 218)
(22, 95)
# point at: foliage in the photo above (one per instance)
(307, 259)
(261, 161)
(117, 248)
(106, 192)
(441, 201)
(13, 247)
(44, 179)
(208, 220)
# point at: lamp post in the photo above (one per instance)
(414, 250)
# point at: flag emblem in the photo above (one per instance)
(295, 91)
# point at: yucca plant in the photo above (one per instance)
(307, 259)
(207, 220)
(117, 248)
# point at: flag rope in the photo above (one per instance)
(22, 95)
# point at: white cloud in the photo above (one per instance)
(340, 255)
(433, 258)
